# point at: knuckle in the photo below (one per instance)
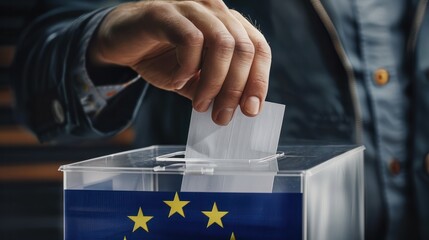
(214, 4)
(259, 81)
(224, 45)
(232, 94)
(193, 5)
(245, 48)
(156, 10)
(224, 41)
(213, 87)
(263, 50)
(194, 37)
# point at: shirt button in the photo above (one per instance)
(394, 167)
(427, 163)
(381, 76)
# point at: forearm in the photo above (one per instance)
(199, 49)
(49, 67)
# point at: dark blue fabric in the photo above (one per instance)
(91, 215)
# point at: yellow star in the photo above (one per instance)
(140, 220)
(125, 238)
(232, 236)
(215, 216)
(176, 206)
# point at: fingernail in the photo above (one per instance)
(224, 116)
(251, 106)
(203, 106)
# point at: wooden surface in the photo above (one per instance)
(31, 172)
(7, 53)
(19, 136)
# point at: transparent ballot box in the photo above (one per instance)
(302, 192)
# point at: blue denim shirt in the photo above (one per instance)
(365, 50)
(350, 71)
(380, 44)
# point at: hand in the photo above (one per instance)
(200, 49)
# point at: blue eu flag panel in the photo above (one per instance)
(133, 215)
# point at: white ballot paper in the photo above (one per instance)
(244, 138)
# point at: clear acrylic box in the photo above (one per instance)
(316, 193)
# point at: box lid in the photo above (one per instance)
(169, 159)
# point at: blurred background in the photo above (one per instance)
(30, 184)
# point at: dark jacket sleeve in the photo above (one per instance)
(48, 66)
